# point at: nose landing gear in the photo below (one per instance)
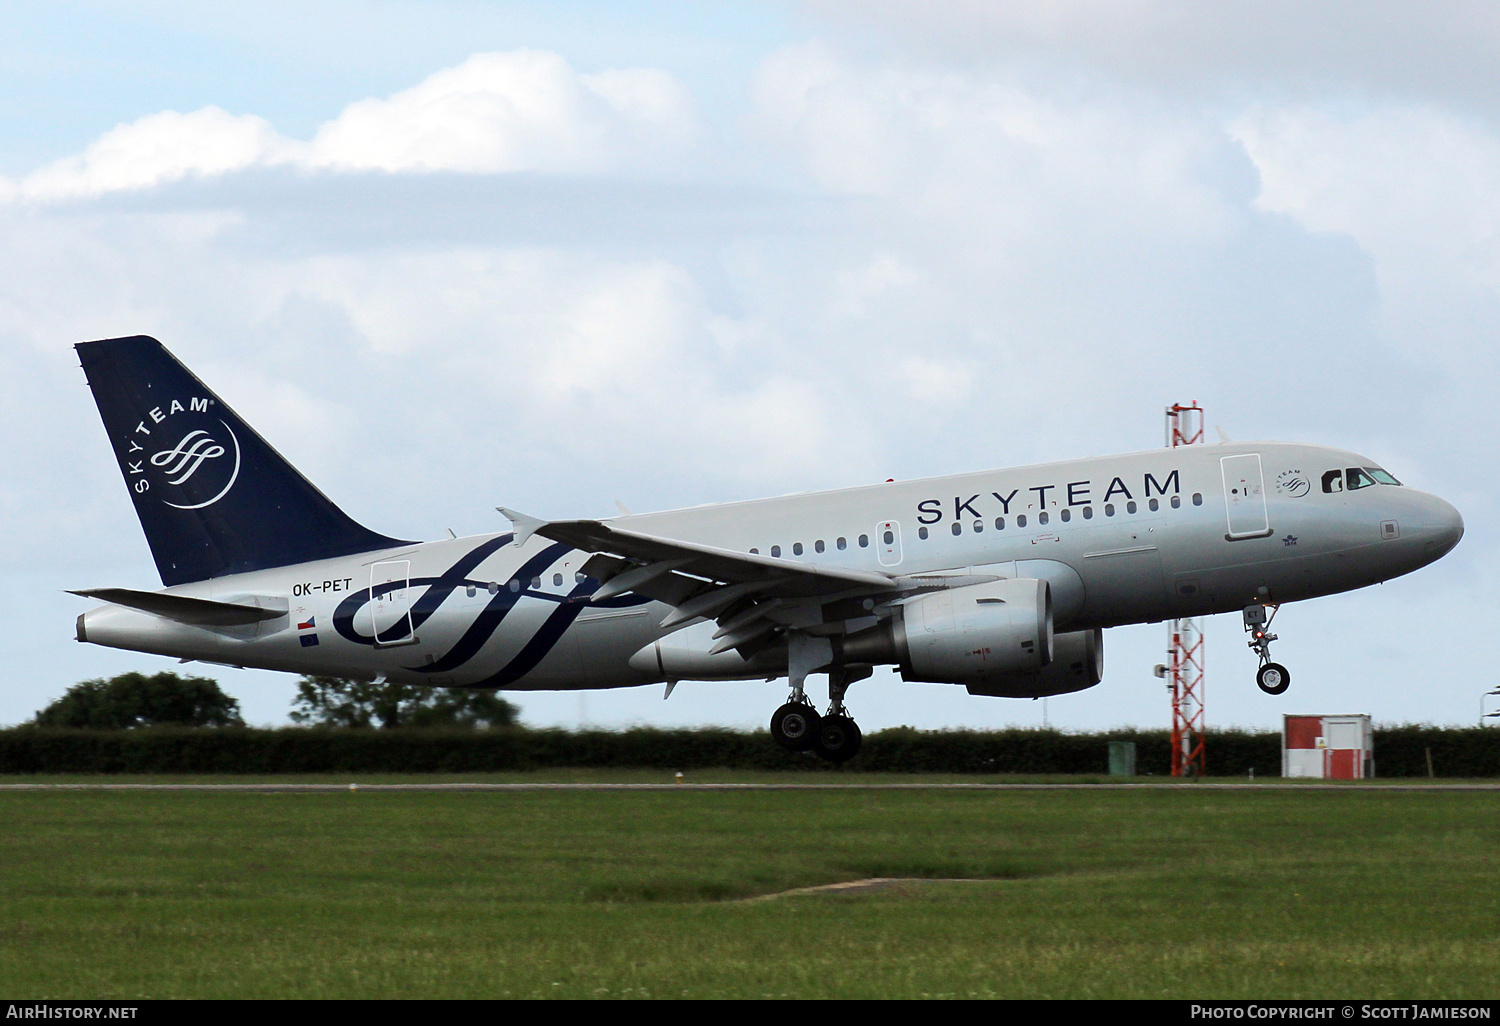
(1272, 678)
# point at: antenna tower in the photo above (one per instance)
(1184, 669)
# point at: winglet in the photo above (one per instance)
(525, 526)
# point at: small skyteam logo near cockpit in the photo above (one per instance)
(1292, 483)
(195, 470)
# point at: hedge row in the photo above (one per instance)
(1399, 751)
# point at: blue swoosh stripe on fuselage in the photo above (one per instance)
(545, 639)
(489, 620)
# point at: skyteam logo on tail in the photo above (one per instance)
(182, 454)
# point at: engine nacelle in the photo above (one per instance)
(978, 634)
(1077, 663)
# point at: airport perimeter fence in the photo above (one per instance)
(1401, 751)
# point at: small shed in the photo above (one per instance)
(1328, 747)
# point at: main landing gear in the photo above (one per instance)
(1273, 678)
(834, 736)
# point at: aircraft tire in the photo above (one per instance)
(838, 739)
(795, 726)
(1273, 679)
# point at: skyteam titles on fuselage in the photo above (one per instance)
(1070, 494)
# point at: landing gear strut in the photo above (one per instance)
(1272, 678)
(838, 735)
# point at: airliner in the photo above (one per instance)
(1000, 582)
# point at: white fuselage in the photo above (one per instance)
(1121, 539)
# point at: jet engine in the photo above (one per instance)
(1077, 663)
(974, 634)
(963, 635)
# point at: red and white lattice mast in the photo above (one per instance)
(1184, 669)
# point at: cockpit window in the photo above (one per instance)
(1333, 481)
(1383, 476)
(1359, 479)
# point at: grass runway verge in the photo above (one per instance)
(1345, 892)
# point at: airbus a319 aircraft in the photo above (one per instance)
(999, 581)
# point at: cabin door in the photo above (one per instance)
(390, 603)
(1245, 497)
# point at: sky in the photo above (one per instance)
(447, 256)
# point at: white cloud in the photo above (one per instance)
(975, 147)
(1441, 50)
(1416, 186)
(160, 148)
(523, 110)
(519, 111)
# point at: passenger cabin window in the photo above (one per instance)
(775, 551)
(958, 529)
(978, 526)
(1109, 509)
(1130, 506)
(818, 545)
(1358, 479)
(864, 541)
(1176, 502)
(557, 580)
(1333, 481)
(842, 544)
(889, 538)
(1042, 517)
(1066, 515)
(1155, 505)
(755, 552)
(1197, 498)
(999, 523)
(1021, 520)
(1088, 512)
(796, 548)
(922, 533)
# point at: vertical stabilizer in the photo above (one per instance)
(212, 496)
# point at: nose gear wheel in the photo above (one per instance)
(1273, 678)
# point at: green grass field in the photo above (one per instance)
(1343, 892)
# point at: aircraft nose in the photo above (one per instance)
(1446, 527)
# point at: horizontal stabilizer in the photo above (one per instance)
(200, 612)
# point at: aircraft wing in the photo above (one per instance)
(750, 594)
(782, 576)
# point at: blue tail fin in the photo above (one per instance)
(213, 497)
